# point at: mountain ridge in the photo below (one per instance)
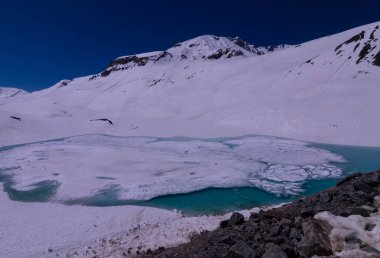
(305, 92)
(206, 47)
(7, 92)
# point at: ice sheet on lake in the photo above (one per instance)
(140, 168)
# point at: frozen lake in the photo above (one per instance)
(196, 176)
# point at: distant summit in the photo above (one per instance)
(7, 92)
(207, 48)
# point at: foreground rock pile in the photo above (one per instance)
(342, 221)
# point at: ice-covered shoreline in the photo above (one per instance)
(56, 230)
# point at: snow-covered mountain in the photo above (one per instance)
(6, 92)
(206, 47)
(325, 90)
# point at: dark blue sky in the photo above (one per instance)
(44, 41)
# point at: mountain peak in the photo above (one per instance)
(206, 48)
(7, 92)
(208, 42)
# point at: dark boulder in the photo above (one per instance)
(360, 211)
(348, 178)
(274, 214)
(223, 223)
(227, 240)
(373, 251)
(15, 118)
(236, 219)
(361, 186)
(274, 230)
(305, 213)
(375, 178)
(294, 234)
(240, 250)
(325, 197)
(298, 222)
(274, 251)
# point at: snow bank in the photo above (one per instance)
(51, 230)
(352, 235)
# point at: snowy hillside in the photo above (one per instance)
(6, 92)
(325, 90)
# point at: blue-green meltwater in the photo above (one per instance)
(195, 176)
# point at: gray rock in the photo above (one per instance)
(274, 230)
(294, 234)
(325, 197)
(375, 178)
(348, 178)
(236, 219)
(275, 214)
(353, 240)
(298, 222)
(254, 217)
(361, 186)
(376, 201)
(274, 251)
(223, 223)
(286, 222)
(372, 250)
(289, 250)
(240, 250)
(360, 211)
(369, 227)
(305, 213)
(227, 240)
(315, 240)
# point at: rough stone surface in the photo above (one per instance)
(240, 250)
(376, 202)
(325, 197)
(236, 219)
(315, 240)
(274, 251)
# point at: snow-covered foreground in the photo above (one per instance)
(86, 168)
(48, 229)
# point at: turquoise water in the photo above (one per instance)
(219, 200)
(41, 192)
(208, 201)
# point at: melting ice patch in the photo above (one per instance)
(141, 168)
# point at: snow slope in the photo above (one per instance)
(7, 92)
(55, 230)
(325, 90)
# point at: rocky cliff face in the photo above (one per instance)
(343, 221)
